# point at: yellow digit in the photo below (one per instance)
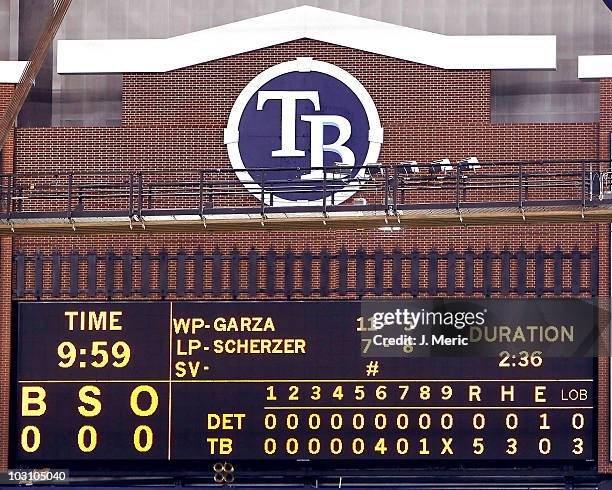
(424, 421)
(544, 421)
(314, 421)
(447, 392)
(93, 438)
(292, 421)
(380, 446)
(512, 445)
(446, 421)
(316, 393)
(314, 446)
(358, 421)
(423, 450)
(359, 392)
(366, 347)
(25, 445)
(335, 445)
(121, 352)
(270, 421)
(577, 421)
(402, 421)
(380, 421)
(293, 393)
(338, 394)
(478, 421)
(578, 445)
(292, 446)
(271, 396)
(358, 446)
(361, 327)
(544, 445)
(96, 350)
(269, 446)
(143, 448)
(523, 359)
(67, 352)
(425, 392)
(402, 446)
(511, 421)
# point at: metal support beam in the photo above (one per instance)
(35, 63)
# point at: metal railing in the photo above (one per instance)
(386, 188)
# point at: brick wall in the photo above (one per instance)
(6, 165)
(605, 128)
(176, 120)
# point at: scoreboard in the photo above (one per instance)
(410, 380)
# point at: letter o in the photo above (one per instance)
(134, 400)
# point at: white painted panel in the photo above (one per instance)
(10, 71)
(453, 52)
(595, 66)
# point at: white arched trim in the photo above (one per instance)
(450, 52)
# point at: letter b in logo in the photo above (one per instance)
(305, 129)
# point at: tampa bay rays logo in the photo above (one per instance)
(303, 129)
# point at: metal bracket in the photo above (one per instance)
(522, 212)
(224, 473)
(141, 221)
(460, 215)
(71, 221)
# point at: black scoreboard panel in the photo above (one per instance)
(317, 380)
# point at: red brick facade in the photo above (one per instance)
(6, 247)
(176, 120)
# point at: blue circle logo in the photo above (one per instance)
(303, 131)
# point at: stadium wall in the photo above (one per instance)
(176, 120)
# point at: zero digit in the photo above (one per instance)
(143, 448)
(87, 430)
(25, 443)
(577, 421)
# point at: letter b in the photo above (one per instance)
(318, 148)
(33, 401)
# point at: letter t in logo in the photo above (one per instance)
(288, 110)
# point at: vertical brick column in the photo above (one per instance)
(605, 128)
(6, 252)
